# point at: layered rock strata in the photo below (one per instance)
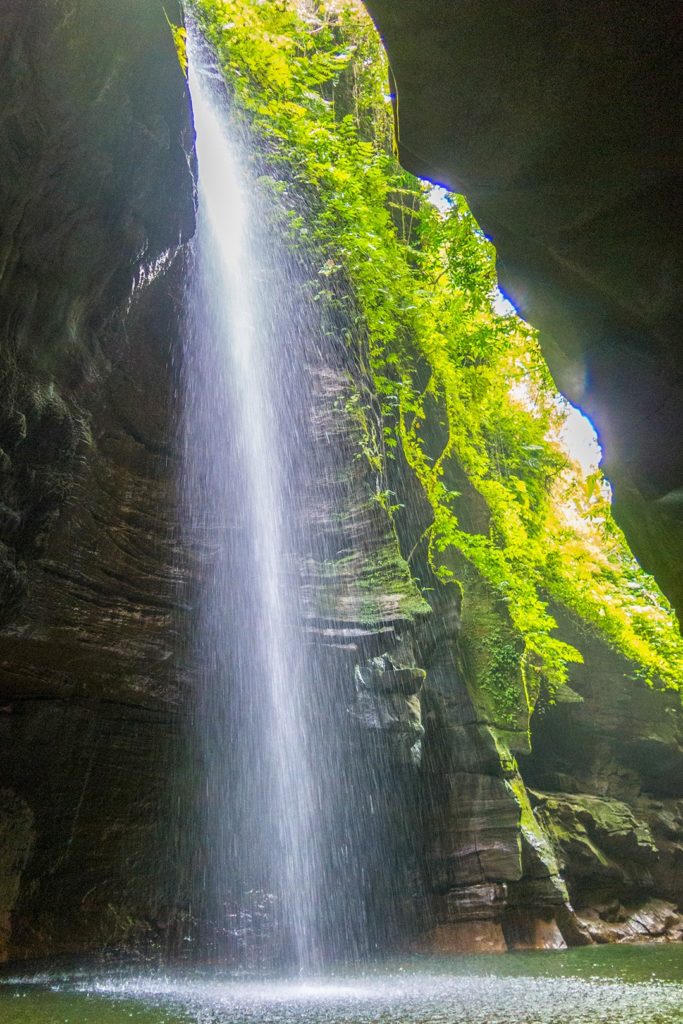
(96, 196)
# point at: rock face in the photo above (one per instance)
(16, 841)
(491, 871)
(612, 815)
(96, 196)
(592, 850)
(561, 124)
(81, 220)
(364, 621)
(500, 835)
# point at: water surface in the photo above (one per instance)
(604, 985)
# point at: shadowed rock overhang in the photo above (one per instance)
(561, 124)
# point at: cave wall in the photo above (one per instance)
(96, 194)
(604, 774)
(560, 123)
(546, 820)
(96, 188)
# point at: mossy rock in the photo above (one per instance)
(491, 652)
(598, 842)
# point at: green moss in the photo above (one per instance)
(180, 42)
(492, 653)
(368, 588)
(607, 830)
(416, 289)
(386, 572)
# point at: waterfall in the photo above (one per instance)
(304, 775)
(240, 436)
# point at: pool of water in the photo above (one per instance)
(609, 985)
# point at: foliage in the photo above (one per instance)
(309, 78)
(180, 42)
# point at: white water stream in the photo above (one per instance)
(241, 514)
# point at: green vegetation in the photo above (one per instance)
(367, 589)
(462, 387)
(179, 34)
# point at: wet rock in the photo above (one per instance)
(474, 834)
(597, 839)
(90, 781)
(386, 700)
(527, 931)
(472, 903)
(574, 931)
(96, 187)
(654, 920)
(79, 220)
(466, 937)
(16, 841)
(480, 827)
(383, 675)
(541, 891)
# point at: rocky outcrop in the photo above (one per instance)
(607, 855)
(652, 921)
(492, 874)
(597, 856)
(612, 814)
(387, 699)
(537, 813)
(560, 123)
(363, 619)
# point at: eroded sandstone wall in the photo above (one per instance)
(96, 191)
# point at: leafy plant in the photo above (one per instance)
(179, 34)
(418, 286)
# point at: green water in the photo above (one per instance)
(603, 985)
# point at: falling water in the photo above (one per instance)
(239, 493)
(298, 819)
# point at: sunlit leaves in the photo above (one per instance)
(417, 286)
